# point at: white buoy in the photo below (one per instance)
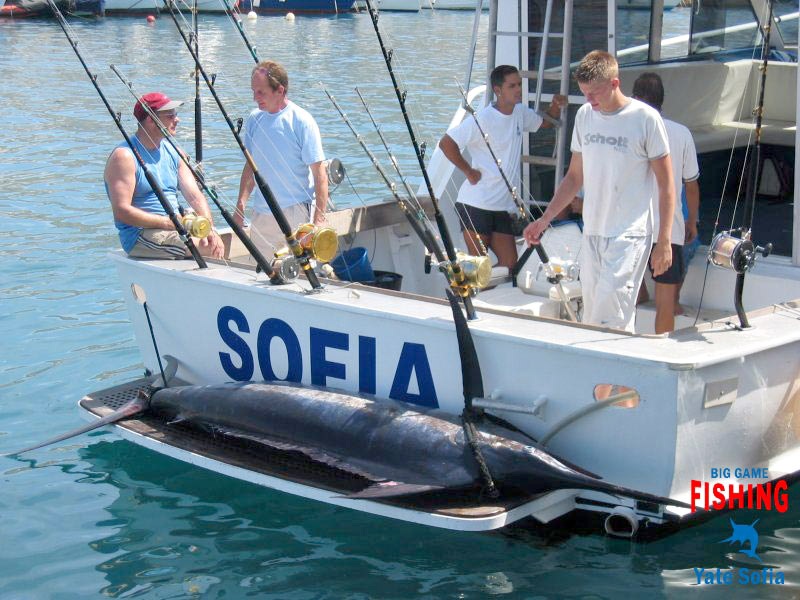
(290, 16)
(252, 16)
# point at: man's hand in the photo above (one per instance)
(691, 233)
(473, 176)
(213, 246)
(556, 104)
(533, 232)
(320, 220)
(661, 258)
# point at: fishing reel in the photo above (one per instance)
(557, 270)
(195, 225)
(735, 253)
(336, 171)
(320, 243)
(477, 272)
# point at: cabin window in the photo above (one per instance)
(722, 26)
(616, 395)
(786, 15)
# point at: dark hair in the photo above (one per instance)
(499, 73)
(649, 88)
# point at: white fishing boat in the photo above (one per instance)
(713, 394)
(399, 5)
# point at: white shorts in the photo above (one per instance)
(266, 234)
(611, 274)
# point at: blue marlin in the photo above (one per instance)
(744, 534)
(398, 450)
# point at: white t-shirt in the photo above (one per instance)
(684, 168)
(283, 145)
(505, 137)
(618, 183)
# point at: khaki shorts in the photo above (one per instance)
(264, 230)
(159, 243)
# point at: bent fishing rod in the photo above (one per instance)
(154, 185)
(299, 252)
(458, 275)
(423, 233)
(198, 175)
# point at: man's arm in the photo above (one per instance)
(453, 153)
(320, 191)
(120, 176)
(567, 190)
(693, 203)
(195, 198)
(246, 184)
(661, 258)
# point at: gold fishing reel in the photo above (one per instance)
(321, 243)
(477, 272)
(196, 225)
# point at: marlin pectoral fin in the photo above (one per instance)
(135, 406)
(390, 489)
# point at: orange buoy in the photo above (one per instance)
(151, 19)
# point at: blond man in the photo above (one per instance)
(620, 156)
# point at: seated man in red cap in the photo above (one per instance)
(145, 230)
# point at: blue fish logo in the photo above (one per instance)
(743, 534)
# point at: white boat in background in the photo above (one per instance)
(645, 4)
(399, 5)
(454, 4)
(712, 394)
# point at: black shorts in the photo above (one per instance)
(484, 222)
(674, 274)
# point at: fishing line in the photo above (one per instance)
(727, 173)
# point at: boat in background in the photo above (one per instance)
(454, 4)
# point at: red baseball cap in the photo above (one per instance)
(156, 101)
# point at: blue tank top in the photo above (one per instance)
(163, 164)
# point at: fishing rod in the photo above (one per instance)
(456, 276)
(298, 250)
(553, 277)
(739, 254)
(238, 24)
(262, 262)
(392, 158)
(198, 115)
(420, 229)
(154, 185)
(471, 378)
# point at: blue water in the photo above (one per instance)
(100, 517)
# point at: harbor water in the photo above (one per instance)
(97, 516)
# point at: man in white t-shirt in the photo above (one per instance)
(620, 155)
(649, 88)
(484, 203)
(286, 146)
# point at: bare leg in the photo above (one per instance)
(505, 247)
(665, 307)
(473, 245)
(678, 308)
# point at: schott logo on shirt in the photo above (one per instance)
(620, 143)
